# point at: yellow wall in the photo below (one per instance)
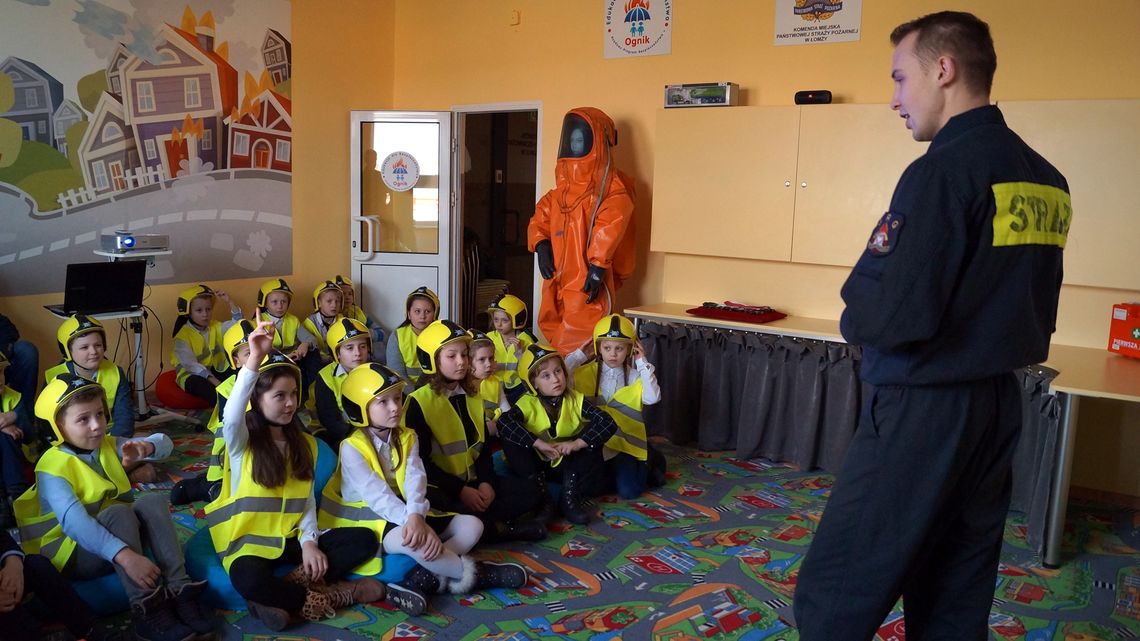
(410, 54)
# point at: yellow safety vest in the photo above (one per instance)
(490, 389)
(624, 407)
(337, 512)
(449, 447)
(538, 421)
(286, 338)
(41, 533)
(505, 359)
(217, 458)
(315, 330)
(328, 375)
(107, 376)
(407, 337)
(356, 313)
(209, 352)
(257, 520)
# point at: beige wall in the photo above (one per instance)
(411, 54)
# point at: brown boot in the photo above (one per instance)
(345, 593)
(317, 606)
(275, 619)
(298, 576)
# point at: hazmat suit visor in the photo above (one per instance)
(577, 138)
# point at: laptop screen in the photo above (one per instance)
(100, 288)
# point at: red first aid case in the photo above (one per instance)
(1124, 331)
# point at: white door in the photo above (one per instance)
(403, 219)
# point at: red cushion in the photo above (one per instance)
(173, 396)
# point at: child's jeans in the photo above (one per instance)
(147, 520)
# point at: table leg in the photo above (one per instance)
(1059, 493)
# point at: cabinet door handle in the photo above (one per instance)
(803, 184)
(787, 183)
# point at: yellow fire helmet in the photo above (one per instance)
(58, 391)
(277, 359)
(532, 356)
(74, 327)
(513, 306)
(325, 286)
(186, 296)
(344, 330)
(361, 386)
(270, 286)
(236, 336)
(433, 338)
(342, 281)
(479, 337)
(422, 292)
(614, 327)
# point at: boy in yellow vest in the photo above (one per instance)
(197, 355)
(83, 343)
(351, 343)
(328, 302)
(554, 431)
(380, 483)
(82, 515)
(620, 381)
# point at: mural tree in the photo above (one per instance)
(11, 138)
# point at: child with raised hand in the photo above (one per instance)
(447, 416)
(81, 514)
(491, 390)
(510, 337)
(380, 483)
(205, 486)
(266, 514)
(328, 303)
(83, 343)
(351, 344)
(421, 309)
(197, 355)
(350, 309)
(15, 432)
(553, 430)
(620, 381)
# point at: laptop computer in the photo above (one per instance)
(102, 288)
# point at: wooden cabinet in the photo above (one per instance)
(806, 184)
(1096, 145)
(850, 157)
(722, 182)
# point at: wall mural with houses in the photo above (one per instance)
(149, 116)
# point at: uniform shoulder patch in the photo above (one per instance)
(885, 237)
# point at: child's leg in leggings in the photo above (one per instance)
(153, 512)
(460, 535)
(45, 582)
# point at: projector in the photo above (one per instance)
(123, 242)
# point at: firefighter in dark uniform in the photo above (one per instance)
(957, 288)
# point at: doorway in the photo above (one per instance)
(497, 190)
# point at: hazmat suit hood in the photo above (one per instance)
(584, 170)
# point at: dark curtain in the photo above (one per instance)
(797, 401)
(782, 398)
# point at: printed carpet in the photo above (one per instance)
(714, 555)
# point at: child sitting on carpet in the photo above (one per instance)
(351, 345)
(420, 309)
(266, 514)
(197, 356)
(619, 380)
(554, 430)
(205, 486)
(81, 514)
(491, 390)
(510, 337)
(380, 483)
(328, 302)
(447, 416)
(83, 343)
